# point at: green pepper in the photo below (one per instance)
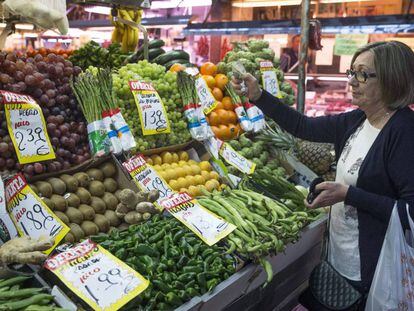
(159, 245)
(167, 278)
(166, 244)
(212, 283)
(196, 249)
(173, 299)
(177, 285)
(178, 236)
(192, 292)
(194, 269)
(173, 252)
(162, 286)
(163, 306)
(201, 279)
(161, 268)
(207, 252)
(210, 259)
(157, 237)
(121, 253)
(186, 277)
(182, 295)
(182, 261)
(147, 261)
(143, 249)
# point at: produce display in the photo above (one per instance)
(46, 79)
(16, 293)
(250, 54)
(92, 54)
(126, 35)
(165, 82)
(65, 53)
(185, 175)
(177, 263)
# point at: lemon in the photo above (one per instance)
(214, 175)
(180, 172)
(184, 190)
(157, 167)
(167, 157)
(195, 169)
(206, 175)
(164, 175)
(193, 191)
(190, 180)
(182, 163)
(192, 162)
(149, 161)
(183, 155)
(173, 184)
(171, 174)
(175, 156)
(212, 184)
(165, 166)
(199, 180)
(205, 166)
(156, 159)
(174, 165)
(201, 189)
(187, 169)
(182, 182)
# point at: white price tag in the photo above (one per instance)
(269, 77)
(97, 277)
(235, 159)
(27, 128)
(147, 178)
(152, 113)
(206, 225)
(30, 215)
(207, 99)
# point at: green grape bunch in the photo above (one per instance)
(165, 82)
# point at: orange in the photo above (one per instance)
(227, 103)
(224, 132)
(223, 116)
(219, 105)
(214, 118)
(221, 81)
(208, 69)
(234, 132)
(215, 130)
(217, 93)
(232, 116)
(177, 67)
(210, 81)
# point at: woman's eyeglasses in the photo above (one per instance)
(360, 76)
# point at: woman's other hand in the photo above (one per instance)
(253, 88)
(331, 193)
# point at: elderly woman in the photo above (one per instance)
(375, 152)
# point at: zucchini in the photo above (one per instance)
(169, 56)
(155, 44)
(175, 61)
(153, 53)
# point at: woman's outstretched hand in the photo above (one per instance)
(332, 193)
(253, 91)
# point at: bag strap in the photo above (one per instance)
(325, 243)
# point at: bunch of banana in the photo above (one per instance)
(126, 35)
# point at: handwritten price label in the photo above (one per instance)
(147, 178)
(269, 79)
(206, 225)
(97, 277)
(204, 94)
(30, 215)
(27, 128)
(152, 114)
(235, 159)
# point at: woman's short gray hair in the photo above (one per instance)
(394, 66)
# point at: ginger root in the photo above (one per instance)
(24, 250)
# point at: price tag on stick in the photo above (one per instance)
(27, 128)
(206, 225)
(147, 178)
(152, 113)
(31, 216)
(235, 159)
(96, 276)
(269, 77)
(204, 94)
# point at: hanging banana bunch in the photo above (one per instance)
(126, 35)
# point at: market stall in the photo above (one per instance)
(160, 187)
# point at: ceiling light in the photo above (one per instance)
(178, 3)
(3, 25)
(98, 10)
(24, 26)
